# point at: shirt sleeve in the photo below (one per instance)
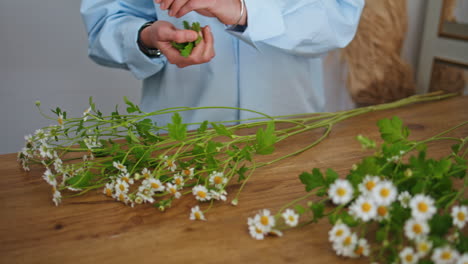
(302, 27)
(112, 28)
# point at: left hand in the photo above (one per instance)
(226, 11)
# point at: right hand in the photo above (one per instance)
(161, 33)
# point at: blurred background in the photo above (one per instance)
(43, 56)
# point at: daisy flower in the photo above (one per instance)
(463, 259)
(126, 178)
(218, 195)
(217, 179)
(346, 246)
(146, 193)
(86, 113)
(404, 199)
(121, 186)
(290, 217)
(444, 255)
(459, 216)
(178, 180)
(60, 120)
(173, 189)
(188, 172)
(196, 214)
(146, 173)
(341, 191)
(368, 184)
(121, 197)
(384, 193)
(256, 230)
(338, 232)
(265, 220)
(57, 197)
(415, 228)
(408, 256)
(201, 193)
(154, 184)
(49, 177)
(382, 213)
(364, 208)
(422, 207)
(109, 189)
(170, 163)
(362, 248)
(423, 246)
(120, 166)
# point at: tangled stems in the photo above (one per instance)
(411, 207)
(138, 161)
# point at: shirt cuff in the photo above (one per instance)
(264, 20)
(138, 63)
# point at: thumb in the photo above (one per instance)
(171, 33)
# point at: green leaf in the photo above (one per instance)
(366, 142)
(312, 180)
(241, 172)
(203, 127)
(299, 209)
(392, 130)
(380, 235)
(440, 224)
(132, 136)
(317, 209)
(331, 176)
(187, 50)
(80, 181)
(462, 245)
(131, 106)
(266, 139)
(177, 130)
(221, 130)
(348, 219)
(186, 24)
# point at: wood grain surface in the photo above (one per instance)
(95, 229)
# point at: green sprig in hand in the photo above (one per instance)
(187, 47)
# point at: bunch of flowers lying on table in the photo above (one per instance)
(414, 208)
(133, 160)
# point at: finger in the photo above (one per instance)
(197, 53)
(192, 5)
(165, 4)
(177, 35)
(176, 5)
(208, 38)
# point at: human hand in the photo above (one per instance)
(161, 33)
(227, 11)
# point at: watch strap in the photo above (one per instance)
(150, 52)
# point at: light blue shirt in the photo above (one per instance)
(274, 66)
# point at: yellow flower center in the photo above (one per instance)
(201, 194)
(446, 255)
(187, 172)
(341, 191)
(409, 258)
(218, 180)
(461, 216)
(385, 192)
(382, 211)
(108, 192)
(155, 185)
(258, 230)
(423, 247)
(264, 220)
(417, 228)
(178, 181)
(291, 218)
(339, 232)
(423, 207)
(197, 215)
(146, 175)
(366, 207)
(370, 185)
(347, 241)
(173, 190)
(122, 187)
(60, 121)
(125, 179)
(120, 166)
(170, 163)
(359, 250)
(122, 197)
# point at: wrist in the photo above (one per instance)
(239, 18)
(145, 43)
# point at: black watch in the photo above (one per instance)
(150, 52)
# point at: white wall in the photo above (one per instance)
(43, 57)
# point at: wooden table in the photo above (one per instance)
(94, 229)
